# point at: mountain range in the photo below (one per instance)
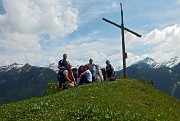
(19, 82)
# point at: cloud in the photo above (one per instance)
(56, 17)
(97, 56)
(16, 43)
(29, 25)
(26, 20)
(178, 1)
(159, 44)
(91, 10)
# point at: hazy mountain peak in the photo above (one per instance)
(16, 65)
(27, 64)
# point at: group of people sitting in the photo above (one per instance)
(69, 77)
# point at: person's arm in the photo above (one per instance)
(73, 78)
(66, 76)
(83, 74)
(101, 76)
(106, 74)
(60, 66)
(107, 77)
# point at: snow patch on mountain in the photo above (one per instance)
(172, 62)
(153, 64)
(149, 61)
(53, 66)
(9, 67)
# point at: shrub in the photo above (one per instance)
(51, 88)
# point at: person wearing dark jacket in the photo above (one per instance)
(62, 65)
(110, 73)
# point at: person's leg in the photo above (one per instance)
(69, 85)
(59, 89)
(93, 79)
(81, 81)
(86, 81)
(113, 78)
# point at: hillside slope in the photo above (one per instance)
(165, 78)
(124, 99)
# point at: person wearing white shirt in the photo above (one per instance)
(88, 74)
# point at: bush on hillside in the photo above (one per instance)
(51, 88)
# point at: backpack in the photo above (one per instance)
(60, 76)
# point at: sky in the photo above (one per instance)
(39, 32)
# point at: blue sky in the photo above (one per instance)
(39, 32)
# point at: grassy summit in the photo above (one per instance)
(123, 99)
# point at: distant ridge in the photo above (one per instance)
(19, 82)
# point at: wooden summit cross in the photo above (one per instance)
(124, 54)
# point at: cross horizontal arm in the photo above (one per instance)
(121, 27)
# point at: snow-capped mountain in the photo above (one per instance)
(148, 61)
(19, 82)
(172, 62)
(153, 64)
(9, 67)
(53, 66)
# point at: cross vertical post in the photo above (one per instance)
(123, 43)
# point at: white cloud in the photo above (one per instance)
(159, 44)
(97, 56)
(56, 17)
(15, 42)
(24, 22)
